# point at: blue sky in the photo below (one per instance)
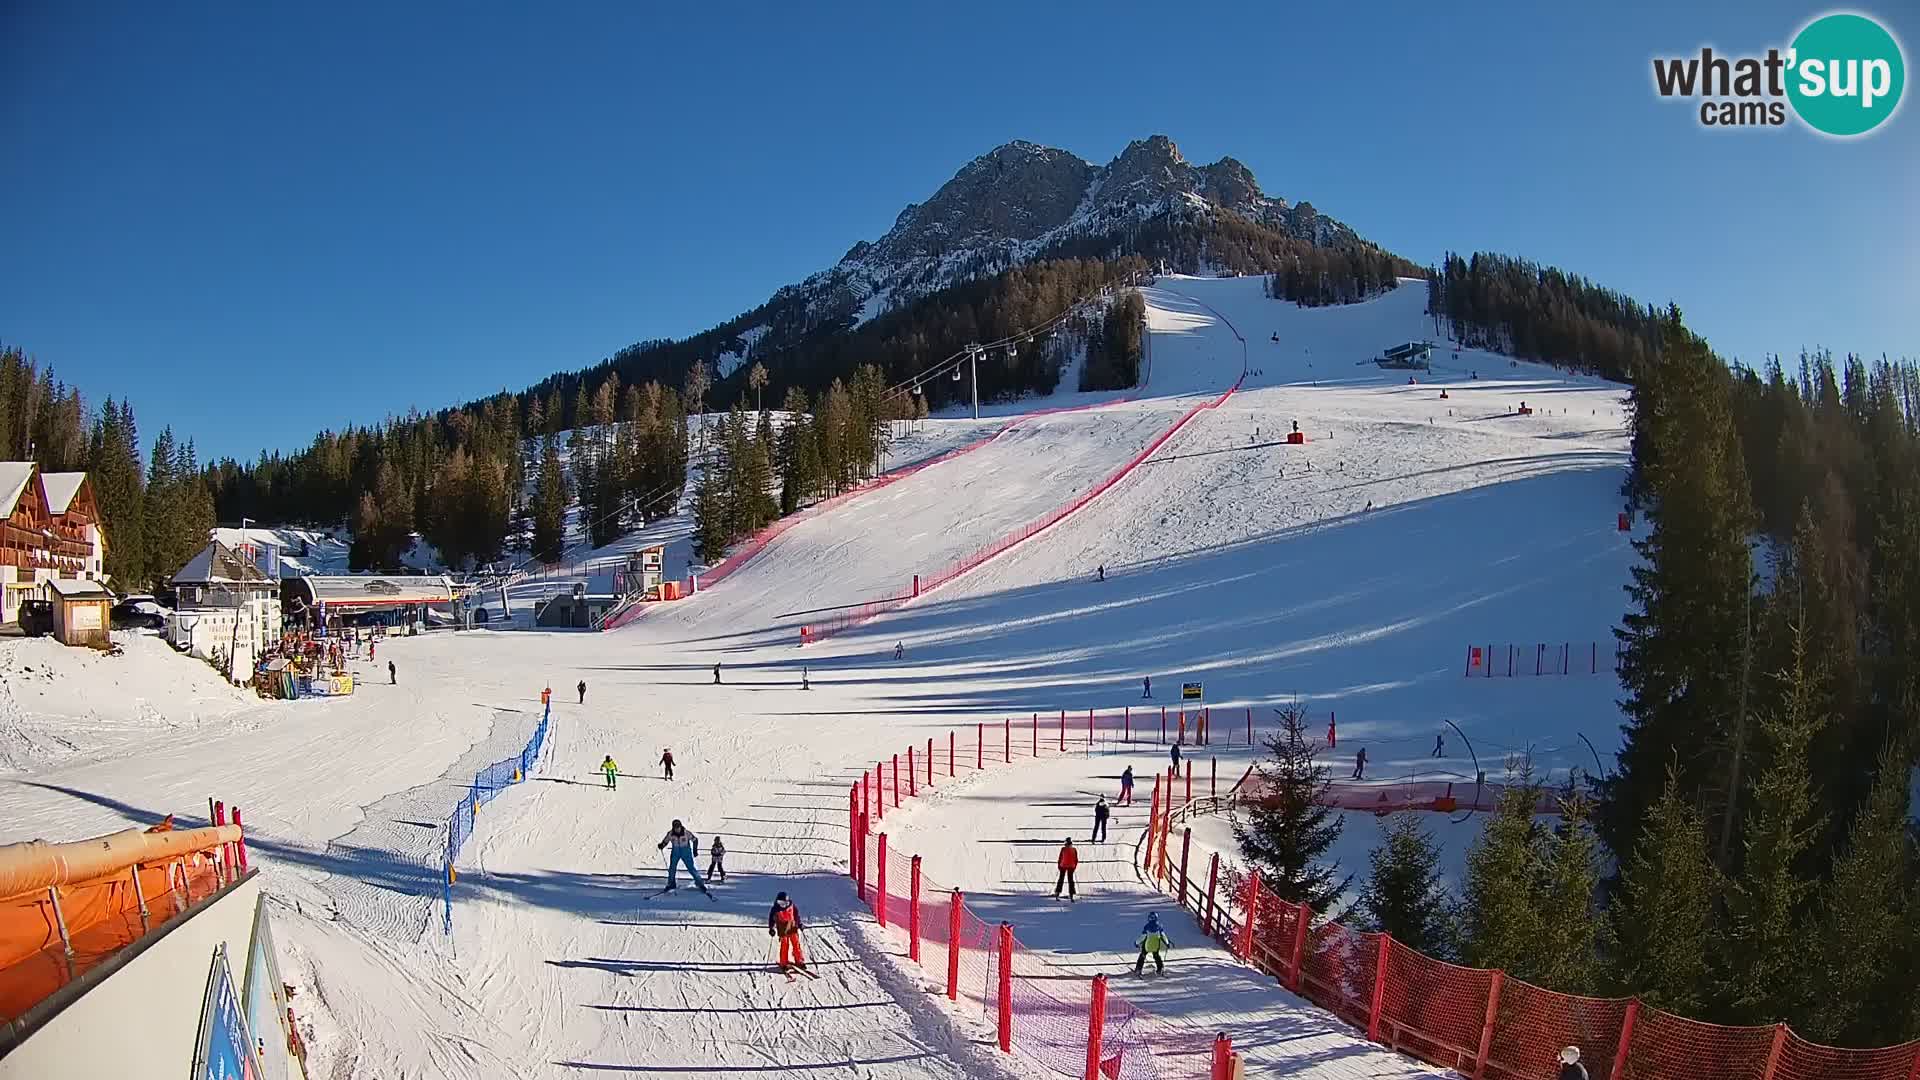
(261, 221)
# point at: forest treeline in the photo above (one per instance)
(1520, 308)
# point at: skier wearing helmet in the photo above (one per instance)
(685, 844)
(1570, 1067)
(783, 922)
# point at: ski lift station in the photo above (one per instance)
(1408, 356)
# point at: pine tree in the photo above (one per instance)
(757, 381)
(1858, 984)
(1500, 915)
(1763, 951)
(1404, 895)
(550, 499)
(1574, 932)
(709, 516)
(1663, 917)
(1287, 833)
(114, 467)
(165, 514)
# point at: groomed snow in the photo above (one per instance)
(1485, 527)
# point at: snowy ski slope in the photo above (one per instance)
(1228, 561)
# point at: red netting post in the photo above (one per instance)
(860, 859)
(1186, 848)
(1626, 1040)
(1250, 913)
(1096, 1026)
(853, 831)
(1036, 734)
(1180, 735)
(1006, 988)
(1774, 1051)
(1153, 820)
(1221, 1067)
(1006, 734)
(241, 846)
(929, 761)
(953, 767)
(1126, 719)
(1213, 880)
(911, 787)
(979, 746)
(1163, 725)
(1188, 800)
(954, 903)
(896, 779)
(880, 882)
(1302, 925)
(880, 790)
(1486, 1026)
(1379, 987)
(913, 913)
(1063, 731)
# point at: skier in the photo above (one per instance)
(716, 673)
(666, 764)
(1360, 765)
(1146, 688)
(1069, 859)
(1153, 942)
(1440, 745)
(717, 854)
(546, 696)
(783, 922)
(899, 650)
(1570, 1067)
(370, 646)
(805, 684)
(1103, 571)
(607, 766)
(1176, 757)
(684, 844)
(583, 691)
(393, 676)
(1100, 812)
(1126, 786)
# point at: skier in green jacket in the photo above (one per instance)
(1153, 942)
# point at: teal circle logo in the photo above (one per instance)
(1846, 74)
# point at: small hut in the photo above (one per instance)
(81, 612)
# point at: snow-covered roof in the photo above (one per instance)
(256, 537)
(218, 564)
(80, 589)
(13, 480)
(60, 488)
(376, 590)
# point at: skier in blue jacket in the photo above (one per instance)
(1153, 941)
(685, 846)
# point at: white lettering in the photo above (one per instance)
(1813, 78)
(1878, 80)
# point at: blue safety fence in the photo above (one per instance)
(487, 783)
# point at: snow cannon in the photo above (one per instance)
(1296, 437)
(1525, 409)
(1443, 395)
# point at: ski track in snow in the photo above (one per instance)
(1229, 561)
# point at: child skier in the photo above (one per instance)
(1153, 942)
(1069, 861)
(583, 691)
(718, 854)
(607, 766)
(783, 922)
(1100, 812)
(684, 844)
(666, 765)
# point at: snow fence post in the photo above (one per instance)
(1486, 1026)
(896, 781)
(1153, 822)
(879, 790)
(1163, 725)
(1089, 731)
(1213, 880)
(913, 914)
(1036, 734)
(1302, 924)
(952, 766)
(1063, 731)
(911, 789)
(1249, 913)
(1006, 987)
(1188, 800)
(1181, 735)
(1221, 1067)
(1006, 739)
(1773, 1052)
(1626, 1040)
(1096, 1026)
(241, 846)
(1379, 987)
(929, 761)
(860, 851)
(1126, 719)
(954, 903)
(1186, 848)
(880, 884)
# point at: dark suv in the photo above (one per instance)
(137, 612)
(36, 617)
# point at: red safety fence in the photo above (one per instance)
(1512, 660)
(923, 583)
(1483, 1024)
(1062, 1020)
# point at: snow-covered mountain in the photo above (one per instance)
(1023, 201)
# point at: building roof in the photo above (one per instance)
(79, 589)
(376, 590)
(13, 480)
(60, 488)
(257, 536)
(218, 564)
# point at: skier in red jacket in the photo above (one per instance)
(783, 922)
(1068, 861)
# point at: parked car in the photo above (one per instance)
(36, 617)
(138, 611)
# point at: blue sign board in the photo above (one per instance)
(225, 1051)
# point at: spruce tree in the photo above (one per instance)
(165, 510)
(1403, 895)
(1663, 916)
(1287, 833)
(1574, 933)
(1858, 981)
(709, 517)
(550, 499)
(1501, 913)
